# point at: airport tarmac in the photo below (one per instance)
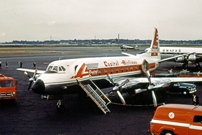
(31, 115)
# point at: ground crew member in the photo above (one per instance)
(6, 63)
(34, 64)
(195, 99)
(20, 63)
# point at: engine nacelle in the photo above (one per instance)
(192, 57)
(180, 59)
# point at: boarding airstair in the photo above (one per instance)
(100, 99)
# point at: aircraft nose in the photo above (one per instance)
(38, 87)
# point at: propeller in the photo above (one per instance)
(145, 69)
(117, 87)
(31, 79)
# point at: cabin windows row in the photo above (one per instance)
(112, 70)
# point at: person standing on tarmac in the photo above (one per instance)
(34, 64)
(20, 63)
(195, 99)
(6, 63)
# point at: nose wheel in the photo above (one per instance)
(59, 106)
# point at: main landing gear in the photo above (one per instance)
(59, 106)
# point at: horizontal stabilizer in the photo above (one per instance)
(127, 54)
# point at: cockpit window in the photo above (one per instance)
(63, 68)
(55, 68)
(60, 69)
(49, 68)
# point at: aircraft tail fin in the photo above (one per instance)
(154, 50)
(155, 41)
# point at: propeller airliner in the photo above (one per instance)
(73, 75)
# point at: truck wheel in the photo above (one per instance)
(167, 133)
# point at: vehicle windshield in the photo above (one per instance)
(6, 83)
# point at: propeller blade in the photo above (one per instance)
(110, 78)
(145, 69)
(26, 74)
(34, 75)
(148, 76)
(154, 99)
(137, 91)
(121, 97)
(120, 85)
(145, 65)
(117, 88)
(30, 84)
(124, 82)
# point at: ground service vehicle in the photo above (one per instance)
(177, 119)
(7, 88)
(184, 88)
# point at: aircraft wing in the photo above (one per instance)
(31, 70)
(170, 58)
(157, 81)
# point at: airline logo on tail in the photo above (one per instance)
(155, 44)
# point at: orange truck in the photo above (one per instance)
(177, 119)
(7, 88)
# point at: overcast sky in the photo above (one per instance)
(104, 19)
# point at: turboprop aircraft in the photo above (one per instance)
(73, 75)
(126, 47)
(194, 58)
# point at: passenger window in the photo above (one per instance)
(131, 68)
(126, 68)
(197, 119)
(122, 69)
(111, 70)
(117, 70)
(99, 71)
(105, 71)
(135, 67)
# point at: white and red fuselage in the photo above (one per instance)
(95, 68)
(60, 75)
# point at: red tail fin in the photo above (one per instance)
(155, 44)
